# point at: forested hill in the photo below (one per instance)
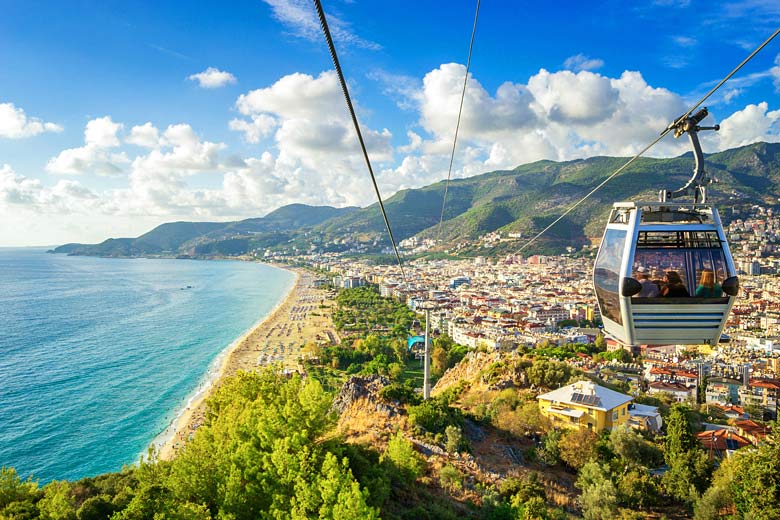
(217, 238)
(522, 200)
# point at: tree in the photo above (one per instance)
(688, 476)
(339, 494)
(520, 490)
(577, 447)
(549, 374)
(752, 478)
(637, 488)
(679, 434)
(401, 454)
(14, 489)
(438, 361)
(450, 478)
(599, 496)
(632, 447)
(57, 502)
(453, 439)
(550, 452)
(689, 468)
(96, 508)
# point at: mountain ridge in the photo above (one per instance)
(522, 201)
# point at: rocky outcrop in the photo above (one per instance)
(492, 370)
(362, 387)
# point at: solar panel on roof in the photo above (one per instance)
(588, 400)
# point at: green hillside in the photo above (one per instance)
(523, 200)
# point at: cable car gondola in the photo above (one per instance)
(664, 273)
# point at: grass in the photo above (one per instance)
(413, 373)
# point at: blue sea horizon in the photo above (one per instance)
(98, 355)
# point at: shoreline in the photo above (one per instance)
(290, 321)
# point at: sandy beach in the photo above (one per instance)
(277, 340)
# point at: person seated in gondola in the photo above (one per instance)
(649, 287)
(708, 287)
(673, 285)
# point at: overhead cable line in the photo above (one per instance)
(457, 125)
(334, 56)
(646, 148)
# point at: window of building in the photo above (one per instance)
(615, 415)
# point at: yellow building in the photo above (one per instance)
(585, 404)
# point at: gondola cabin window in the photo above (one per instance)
(606, 273)
(693, 260)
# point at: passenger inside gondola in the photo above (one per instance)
(673, 285)
(649, 287)
(708, 287)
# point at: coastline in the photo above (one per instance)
(289, 325)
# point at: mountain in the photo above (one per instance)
(528, 198)
(205, 238)
(523, 200)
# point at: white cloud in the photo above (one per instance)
(102, 132)
(752, 124)
(158, 179)
(316, 159)
(100, 136)
(482, 115)
(581, 98)
(313, 156)
(685, 41)
(297, 96)
(557, 115)
(581, 62)
(14, 123)
(65, 196)
(213, 78)
(731, 94)
(260, 127)
(300, 17)
(145, 135)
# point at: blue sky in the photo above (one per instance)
(118, 116)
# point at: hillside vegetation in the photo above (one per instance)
(279, 447)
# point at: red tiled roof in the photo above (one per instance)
(721, 440)
(750, 427)
(766, 383)
(670, 387)
(730, 408)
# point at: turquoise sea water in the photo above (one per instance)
(98, 355)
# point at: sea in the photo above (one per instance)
(99, 355)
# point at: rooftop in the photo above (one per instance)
(587, 394)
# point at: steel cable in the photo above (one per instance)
(457, 125)
(334, 56)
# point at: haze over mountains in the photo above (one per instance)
(523, 200)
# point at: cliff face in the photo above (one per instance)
(484, 371)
